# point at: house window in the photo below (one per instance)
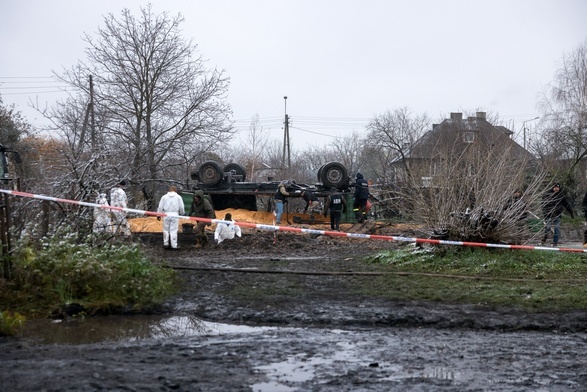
(469, 137)
(426, 182)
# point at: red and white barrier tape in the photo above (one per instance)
(300, 230)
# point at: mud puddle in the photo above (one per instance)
(121, 329)
(187, 354)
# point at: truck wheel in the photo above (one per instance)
(320, 173)
(210, 173)
(333, 175)
(236, 169)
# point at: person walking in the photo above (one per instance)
(118, 199)
(226, 230)
(201, 208)
(279, 199)
(335, 205)
(171, 204)
(361, 198)
(554, 203)
(102, 221)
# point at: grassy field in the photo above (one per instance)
(532, 280)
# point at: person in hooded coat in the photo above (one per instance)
(118, 199)
(201, 208)
(171, 204)
(361, 198)
(102, 221)
(226, 230)
(554, 203)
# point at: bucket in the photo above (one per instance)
(187, 227)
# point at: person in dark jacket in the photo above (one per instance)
(554, 203)
(311, 201)
(279, 200)
(335, 205)
(361, 197)
(201, 208)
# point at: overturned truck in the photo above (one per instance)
(228, 188)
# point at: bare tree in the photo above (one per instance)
(350, 151)
(469, 196)
(157, 99)
(391, 135)
(562, 145)
(252, 150)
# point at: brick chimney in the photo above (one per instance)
(456, 116)
(481, 116)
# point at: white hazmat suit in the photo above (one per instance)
(118, 199)
(172, 205)
(102, 222)
(226, 231)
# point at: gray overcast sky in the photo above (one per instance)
(339, 62)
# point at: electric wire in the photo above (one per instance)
(14, 85)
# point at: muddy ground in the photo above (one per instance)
(327, 338)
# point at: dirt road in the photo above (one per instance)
(323, 337)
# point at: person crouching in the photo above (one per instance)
(226, 230)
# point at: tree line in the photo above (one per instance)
(149, 109)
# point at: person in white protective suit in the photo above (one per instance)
(102, 222)
(172, 205)
(118, 199)
(226, 230)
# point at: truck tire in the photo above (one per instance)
(210, 173)
(320, 173)
(333, 175)
(237, 169)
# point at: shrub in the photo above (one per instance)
(10, 323)
(99, 275)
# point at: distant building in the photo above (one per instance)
(462, 142)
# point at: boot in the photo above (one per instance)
(357, 215)
(205, 241)
(198, 242)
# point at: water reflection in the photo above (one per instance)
(124, 329)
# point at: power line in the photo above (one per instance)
(37, 92)
(27, 77)
(30, 87)
(14, 85)
(313, 132)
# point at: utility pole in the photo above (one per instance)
(286, 138)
